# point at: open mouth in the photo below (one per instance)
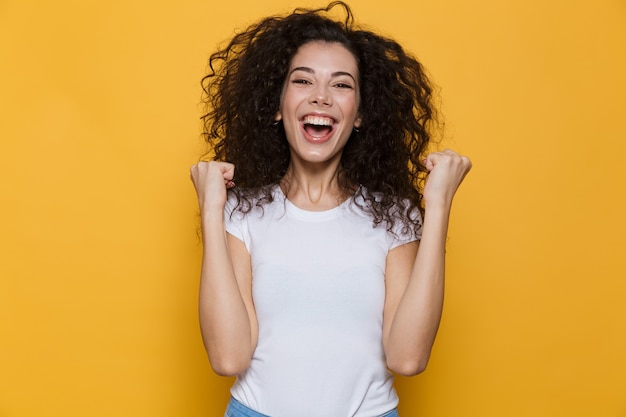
(318, 127)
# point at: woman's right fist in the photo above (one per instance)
(211, 180)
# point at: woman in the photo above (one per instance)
(313, 290)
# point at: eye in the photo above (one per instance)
(301, 81)
(343, 85)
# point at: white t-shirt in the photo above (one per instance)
(318, 286)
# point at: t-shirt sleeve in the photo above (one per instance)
(401, 234)
(234, 221)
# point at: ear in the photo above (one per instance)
(357, 122)
(278, 116)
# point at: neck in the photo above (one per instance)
(314, 188)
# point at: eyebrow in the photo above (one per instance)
(311, 71)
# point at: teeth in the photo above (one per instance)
(318, 121)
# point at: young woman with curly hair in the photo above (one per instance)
(313, 290)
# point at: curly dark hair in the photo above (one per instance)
(383, 159)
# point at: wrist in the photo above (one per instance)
(438, 204)
(211, 218)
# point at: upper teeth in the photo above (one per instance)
(320, 121)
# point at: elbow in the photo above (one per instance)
(408, 366)
(228, 359)
(229, 366)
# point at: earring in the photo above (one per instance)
(276, 123)
(356, 130)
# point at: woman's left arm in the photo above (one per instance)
(414, 278)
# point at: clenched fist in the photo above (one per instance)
(446, 172)
(211, 180)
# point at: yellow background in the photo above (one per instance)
(99, 122)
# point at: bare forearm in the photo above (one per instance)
(411, 320)
(417, 318)
(224, 319)
(227, 317)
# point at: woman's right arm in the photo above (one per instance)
(227, 317)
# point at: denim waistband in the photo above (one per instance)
(237, 409)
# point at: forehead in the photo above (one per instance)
(321, 56)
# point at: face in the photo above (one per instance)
(319, 104)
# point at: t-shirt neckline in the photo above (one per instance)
(309, 214)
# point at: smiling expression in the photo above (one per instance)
(319, 103)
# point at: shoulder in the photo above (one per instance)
(244, 201)
(247, 210)
(399, 217)
(398, 208)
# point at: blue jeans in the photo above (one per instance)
(237, 409)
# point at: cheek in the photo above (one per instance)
(350, 106)
(290, 96)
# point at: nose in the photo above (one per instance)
(320, 96)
